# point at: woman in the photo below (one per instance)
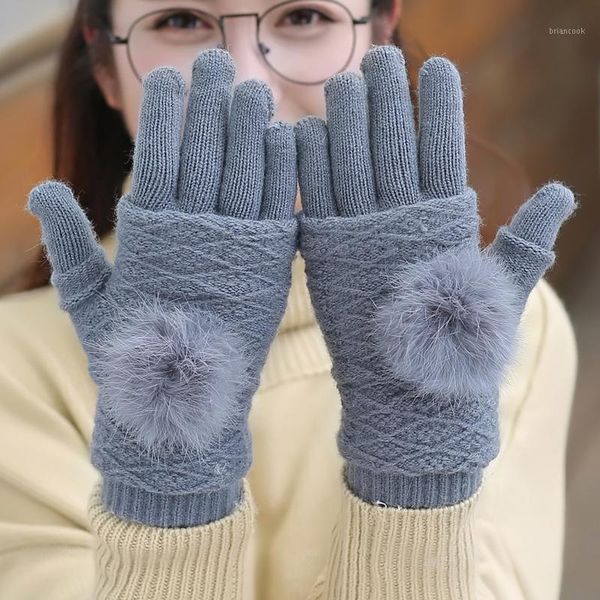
(178, 333)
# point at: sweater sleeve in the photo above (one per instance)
(405, 554)
(209, 561)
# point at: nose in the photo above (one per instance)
(241, 42)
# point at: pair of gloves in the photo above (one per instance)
(419, 321)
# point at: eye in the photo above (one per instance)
(304, 16)
(181, 20)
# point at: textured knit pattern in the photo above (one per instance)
(405, 546)
(376, 199)
(203, 251)
(172, 564)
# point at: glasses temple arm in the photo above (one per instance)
(115, 39)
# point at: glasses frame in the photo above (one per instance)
(118, 40)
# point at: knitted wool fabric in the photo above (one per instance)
(178, 330)
(420, 322)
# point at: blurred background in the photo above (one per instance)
(532, 106)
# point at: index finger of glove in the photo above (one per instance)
(158, 141)
(442, 151)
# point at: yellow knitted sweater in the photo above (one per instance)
(298, 534)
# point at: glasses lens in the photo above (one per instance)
(307, 41)
(172, 38)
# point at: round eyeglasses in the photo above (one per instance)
(303, 41)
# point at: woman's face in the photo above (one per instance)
(294, 33)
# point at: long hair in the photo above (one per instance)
(91, 147)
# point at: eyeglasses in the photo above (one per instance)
(303, 41)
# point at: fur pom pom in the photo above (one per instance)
(171, 377)
(450, 324)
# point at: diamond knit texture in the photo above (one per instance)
(178, 329)
(419, 320)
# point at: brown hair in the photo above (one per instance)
(92, 149)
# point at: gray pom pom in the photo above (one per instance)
(171, 377)
(450, 324)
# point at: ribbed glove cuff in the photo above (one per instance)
(421, 491)
(169, 510)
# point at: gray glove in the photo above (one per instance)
(420, 322)
(177, 332)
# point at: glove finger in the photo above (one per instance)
(156, 154)
(392, 127)
(525, 245)
(442, 153)
(78, 261)
(347, 121)
(205, 134)
(314, 168)
(540, 218)
(279, 193)
(243, 177)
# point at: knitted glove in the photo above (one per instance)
(177, 331)
(420, 323)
